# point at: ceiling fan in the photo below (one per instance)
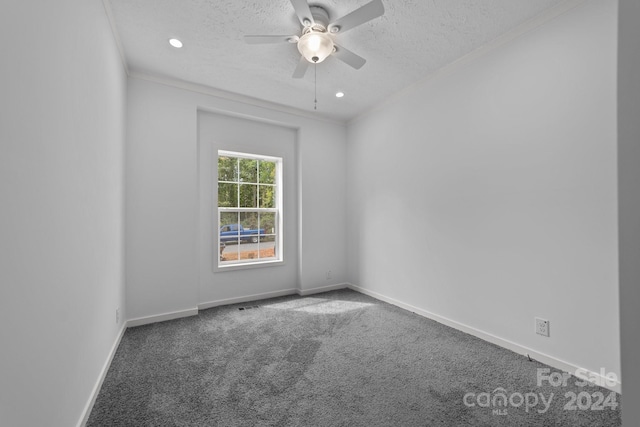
(316, 42)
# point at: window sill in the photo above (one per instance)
(248, 266)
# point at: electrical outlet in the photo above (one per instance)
(118, 316)
(542, 327)
(328, 274)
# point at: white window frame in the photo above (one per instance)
(277, 210)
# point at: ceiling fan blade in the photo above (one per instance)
(349, 58)
(270, 39)
(359, 16)
(303, 11)
(301, 69)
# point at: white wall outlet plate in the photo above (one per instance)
(542, 327)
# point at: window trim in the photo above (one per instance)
(278, 210)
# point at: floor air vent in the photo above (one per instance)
(249, 307)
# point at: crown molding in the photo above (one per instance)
(107, 9)
(231, 96)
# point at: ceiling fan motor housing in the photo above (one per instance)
(320, 18)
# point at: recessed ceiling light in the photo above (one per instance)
(175, 43)
(339, 94)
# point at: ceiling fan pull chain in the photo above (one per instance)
(315, 86)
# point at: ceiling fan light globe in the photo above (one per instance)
(315, 46)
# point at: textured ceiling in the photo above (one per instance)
(413, 39)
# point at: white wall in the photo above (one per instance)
(487, 195)
(629, 204)
(62, 123)
(162, 197)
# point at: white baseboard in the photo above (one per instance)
(320, 289)
(517, 348)
(162, 317)
(103, 373)
(255, 297)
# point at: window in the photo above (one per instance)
(249, 209)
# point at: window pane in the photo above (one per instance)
(248, 170)
(248, 196)
(229, 230)
(249, 221)
(267, 247)
(227, 195)
(267, 196)
(228, 169)
(229, 253)
(267, 172)
(268, 223)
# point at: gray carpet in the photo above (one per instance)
(333, 359)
